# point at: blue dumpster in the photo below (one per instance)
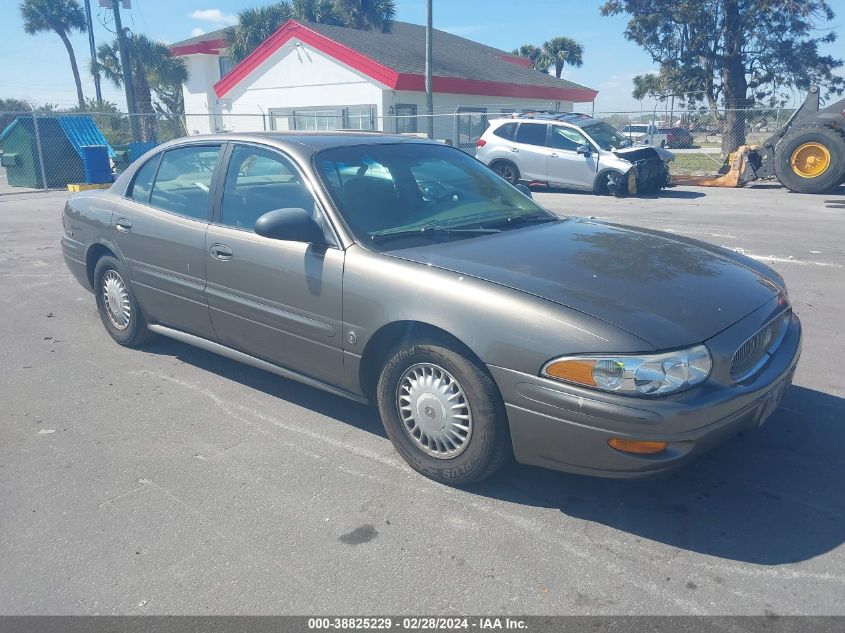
(95, 163)
(139, 148)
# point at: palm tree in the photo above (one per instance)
(254, 26)
(366, 14)
(537, 56)
(563, 50)
(321, 11)
(62, 17)
(257, 24)
(155, 71)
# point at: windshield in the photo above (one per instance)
(607, 137)
(420, 192)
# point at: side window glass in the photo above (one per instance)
(506, 131)
(566, 138)
(258, 181)
(142, 185)
(183, 182)
(531, 133)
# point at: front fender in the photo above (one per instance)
(500, 325)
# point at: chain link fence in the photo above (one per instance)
(44, 150)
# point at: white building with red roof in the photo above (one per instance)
(318, 76)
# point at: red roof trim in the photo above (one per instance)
(208, 47)
(456, 85)
(389, 77)
(293, 29)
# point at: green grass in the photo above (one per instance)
(695, 164)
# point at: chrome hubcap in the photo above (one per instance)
(116, 300)
(434, 410)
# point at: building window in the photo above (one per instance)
(406, 118)
(226, 64)
(327, 118)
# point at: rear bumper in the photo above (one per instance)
(566, 428)
(74, 254)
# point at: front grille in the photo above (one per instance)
(754, 352)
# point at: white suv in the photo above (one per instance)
(573, 151)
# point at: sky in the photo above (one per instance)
(36, 67)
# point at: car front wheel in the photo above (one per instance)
(443, 413)
(117, 305)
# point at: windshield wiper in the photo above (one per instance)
(515, 220)
(429, 230)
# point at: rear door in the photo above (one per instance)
(276, 300)
(160, 228)
(529, 151)
(566, 167)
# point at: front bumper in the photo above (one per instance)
(565, 427)
(649, 176)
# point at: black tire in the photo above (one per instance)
(487, 446)
(611, 183)
(832, 139)
(135, 332)
(506, 170)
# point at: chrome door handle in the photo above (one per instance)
(123, 225)
(221, 252)
(515, 150)
(552, 155)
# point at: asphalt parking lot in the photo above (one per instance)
(170, 480)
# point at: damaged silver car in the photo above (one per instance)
(573, 151)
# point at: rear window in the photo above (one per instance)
(531, 133)
(506, 131)
(183, 181)
(143, 182)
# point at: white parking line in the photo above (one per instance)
(783, 260)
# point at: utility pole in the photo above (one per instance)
(429, 97)
(93, 48)
(126, 70)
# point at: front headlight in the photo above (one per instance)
(641, 374)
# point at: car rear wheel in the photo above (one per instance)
(443, 413)
(117, 305)
(506, 170)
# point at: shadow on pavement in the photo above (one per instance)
(335, 407)
(770, 496)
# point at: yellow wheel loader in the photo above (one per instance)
(806, 155)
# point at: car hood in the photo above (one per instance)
(668, 291)
(644, 152)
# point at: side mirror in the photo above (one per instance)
(583, 149)
(292, 224)
(524, 189)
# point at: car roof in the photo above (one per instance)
(314, 141)
(575, 119)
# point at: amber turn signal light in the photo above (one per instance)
(573, 370)
(636, 446)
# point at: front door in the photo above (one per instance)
(568, 168)
(276, 300)
(160, 228)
